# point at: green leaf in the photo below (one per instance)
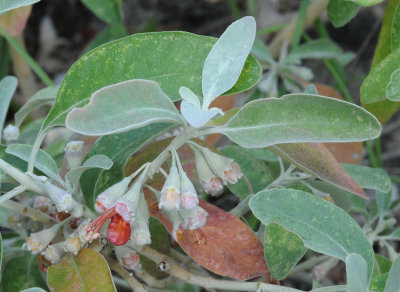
(393, 87)
(173, 59)
(1, 251)
(318, 49)
(341, 12)
(373, 88)
(111, 33)
(21, 272)
(29, 132)
(118, 148)
(88, 271)
(368, 177)
(260, 51)
(383, 201)
(226, 59)
(366, 2)
(323, 227)
(299, 118)
(383, 110)
(378, 283)
(107, 10)
(282, 249)
(6, 5)
(45, 96)
(357, 273)
(122, 107)
(255, 170)
(382, 265)
(395, 27)
(7, 88)
(96, 161)
(263, 154)
(393, 281)
(44, 162)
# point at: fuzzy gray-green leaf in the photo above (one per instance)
(357, 273)
(122, 107)
(299, 118)
(369, 178)
(43, 162)
(225, 61)
(321, 225)
(393, 280)
(7, 88)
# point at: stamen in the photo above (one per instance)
(96, 224)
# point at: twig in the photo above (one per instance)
(316, 8)
(152, 281)
(207, 282)
(34, 214)
(132, 281)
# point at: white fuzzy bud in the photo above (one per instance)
(63, 200)
(54, 252)
(10, 133)
(127, 204)
(74, 153)
(38, 241)
(73, 244)
(141, 233)
(189, 199)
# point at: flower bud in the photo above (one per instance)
(126, 205)
(224, 167)
(10, 133)
(54, 252)
(38, 241)
(197, 218)
(73, 244)
(44, 205)
(109, 197)
(189, 198)
(74, 153)
(77, 210)
(63, 200)
(209, 181)
(128, 258)
(170, 193)
(140, 227)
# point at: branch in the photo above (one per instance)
(34, 214)
(132, 281)
(207, 282)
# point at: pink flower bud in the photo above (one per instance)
(170, 193)
(108, 198)
(127, 257)
(210, 182)
(197, 218)
(126, 205)
(189, 198)
(224, 167)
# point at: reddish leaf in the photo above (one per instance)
(317, 160)
(346, 152)
(225, 245)
(14, 21)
